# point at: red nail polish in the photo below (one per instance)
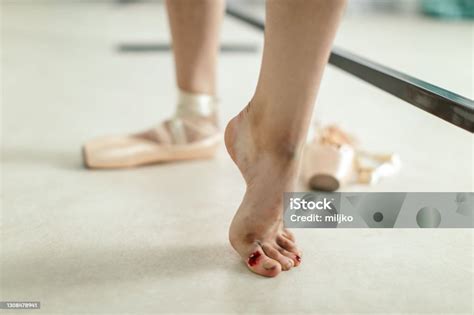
(298, 258)
(253, 258)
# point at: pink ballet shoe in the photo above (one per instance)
(331, 161)
(191, 134)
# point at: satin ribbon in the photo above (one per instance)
(193, 104)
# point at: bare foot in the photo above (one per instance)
(257, 231)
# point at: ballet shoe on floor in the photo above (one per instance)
(331, 161)
(192, 133)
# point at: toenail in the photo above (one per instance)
(289, 264)
(268, 265)
(252, 261)
(298, 258)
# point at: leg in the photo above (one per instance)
(195, 29)
(265, 139)
(193, 132)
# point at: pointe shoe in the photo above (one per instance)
(191, 134)
(332, 161)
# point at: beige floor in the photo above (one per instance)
(153, 240)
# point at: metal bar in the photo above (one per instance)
(166, 47)
(451, 107)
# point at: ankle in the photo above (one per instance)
(277, 143)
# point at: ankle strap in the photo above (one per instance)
(193, 104)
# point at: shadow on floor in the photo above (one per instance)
(67, 160)
(70, 160)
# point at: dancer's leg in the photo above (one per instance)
(195, 30)
(195, 26)
(265, 139)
